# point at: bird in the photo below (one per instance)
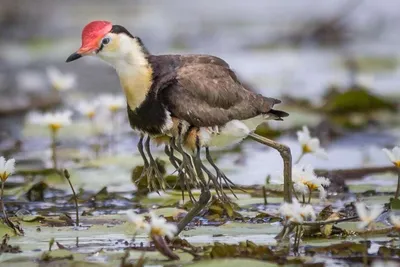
(195, 100)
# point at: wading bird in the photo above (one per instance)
(195, 100)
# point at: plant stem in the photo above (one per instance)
(299, 238)
(295, 239)
(299, 158)
(396, 195)
(365, 253)
(265, 196)
(2, 201)
(96, 136)
(304, 199)
(309, 196)
(54, 148)
(67, 176)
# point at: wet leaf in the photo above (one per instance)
(57, 255)
(232, 263)
(326, 230)
(395, 204)
(218, 209)
(32, 218)
(342, 249)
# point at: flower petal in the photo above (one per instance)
(361, 211)
(9, 167)
(389, 154)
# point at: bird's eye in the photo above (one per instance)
(105, 41)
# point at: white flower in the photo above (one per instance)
(112, 102)
(395, 220)
(7, 167)
(137, 220)
(159, 226)
(53, 120)
(87, 108)
(305, 181)
(393, 155)
(367, 217)
(295, 212)
(309, 144)
(60, 81)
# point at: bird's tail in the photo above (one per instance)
(277, 115)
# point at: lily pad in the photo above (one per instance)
(233, 263)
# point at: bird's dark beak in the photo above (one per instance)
(73, 57)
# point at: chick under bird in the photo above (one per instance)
(195, 100)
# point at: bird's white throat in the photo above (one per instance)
(133, 69)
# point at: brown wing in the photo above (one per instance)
(209, 95)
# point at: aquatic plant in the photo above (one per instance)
(305, 181)
(394, 157)
(54, 121)
(7, 167)
(296, 213)
(60, 81)
(366, 216)
(309, 145)
(158, 229)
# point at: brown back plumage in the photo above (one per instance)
(206, 92)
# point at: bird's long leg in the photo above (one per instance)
(204, 196)
(217, 185)
(220, 175)
(186, 166)
(198, 166)
(145, 161)
(152, 170)
(287, 163)
(176, 163)
(186, 160)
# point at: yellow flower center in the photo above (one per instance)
(306, 149)
(156, 231)
(397, 163)
(113, 108)
(55, 126)
(311, 186)
(90, 114)
(4, 176)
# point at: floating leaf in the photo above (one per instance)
(233, 263)
(395, 204)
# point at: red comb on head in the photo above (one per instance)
(92, 33)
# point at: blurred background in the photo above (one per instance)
(309, 53)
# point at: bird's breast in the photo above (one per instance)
(136, 85)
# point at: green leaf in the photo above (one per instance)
(395, 204)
